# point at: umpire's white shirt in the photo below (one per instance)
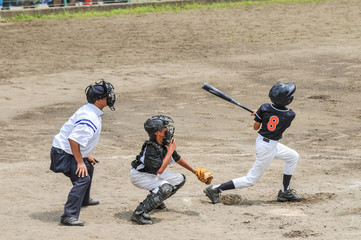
(83, 127)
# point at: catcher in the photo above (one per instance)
(149, 168)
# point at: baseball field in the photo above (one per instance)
(157, 63)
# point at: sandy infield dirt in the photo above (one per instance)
(157, 63)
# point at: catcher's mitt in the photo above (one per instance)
(204, 175)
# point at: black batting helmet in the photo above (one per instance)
(101, 90)
(281, 93)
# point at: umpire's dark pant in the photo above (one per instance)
(79, 195)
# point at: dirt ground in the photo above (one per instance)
(157, 63)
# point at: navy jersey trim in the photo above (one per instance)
(84, 122)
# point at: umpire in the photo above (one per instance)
(71, 149)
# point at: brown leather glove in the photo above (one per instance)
(204, 175)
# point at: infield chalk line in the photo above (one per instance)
(189, 154)
(245, 155)
(334, 156)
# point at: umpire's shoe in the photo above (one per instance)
(141, 217)
(91, 202)
(288, 196)
(71, 221)
(213, 194)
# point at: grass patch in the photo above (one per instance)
(152, 8)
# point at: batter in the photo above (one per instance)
(271, 120)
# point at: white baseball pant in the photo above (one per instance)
(265, 153)
(152, 182)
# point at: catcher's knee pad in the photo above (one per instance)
(178, 186)
(165, 190)
(153, 200)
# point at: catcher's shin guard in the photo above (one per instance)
(140, 216)
(175, 189)
(178, 186)
(153, 200)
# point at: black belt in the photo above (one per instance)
(266, 140)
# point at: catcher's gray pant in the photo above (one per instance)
(152, 182)
(266, 151)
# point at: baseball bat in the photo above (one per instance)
(220, 94)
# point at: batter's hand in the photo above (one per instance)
(254, 112)
(81, 170)
(92, 160)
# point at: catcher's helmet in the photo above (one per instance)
(157, 123)
(281, 93)
(101, 90)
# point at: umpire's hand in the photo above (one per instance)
(81, 169)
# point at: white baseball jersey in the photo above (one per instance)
(83, 127)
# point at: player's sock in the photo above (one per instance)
(286, 181)
(225, 186)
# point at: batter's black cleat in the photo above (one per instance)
(288, 196)
(71, 221)
(141, 217)
(213, 194)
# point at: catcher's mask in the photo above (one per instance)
(101, 90)
(158, 123)
(281, 93)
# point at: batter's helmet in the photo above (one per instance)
(281, 93)
(101, 90)
(157, 123)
